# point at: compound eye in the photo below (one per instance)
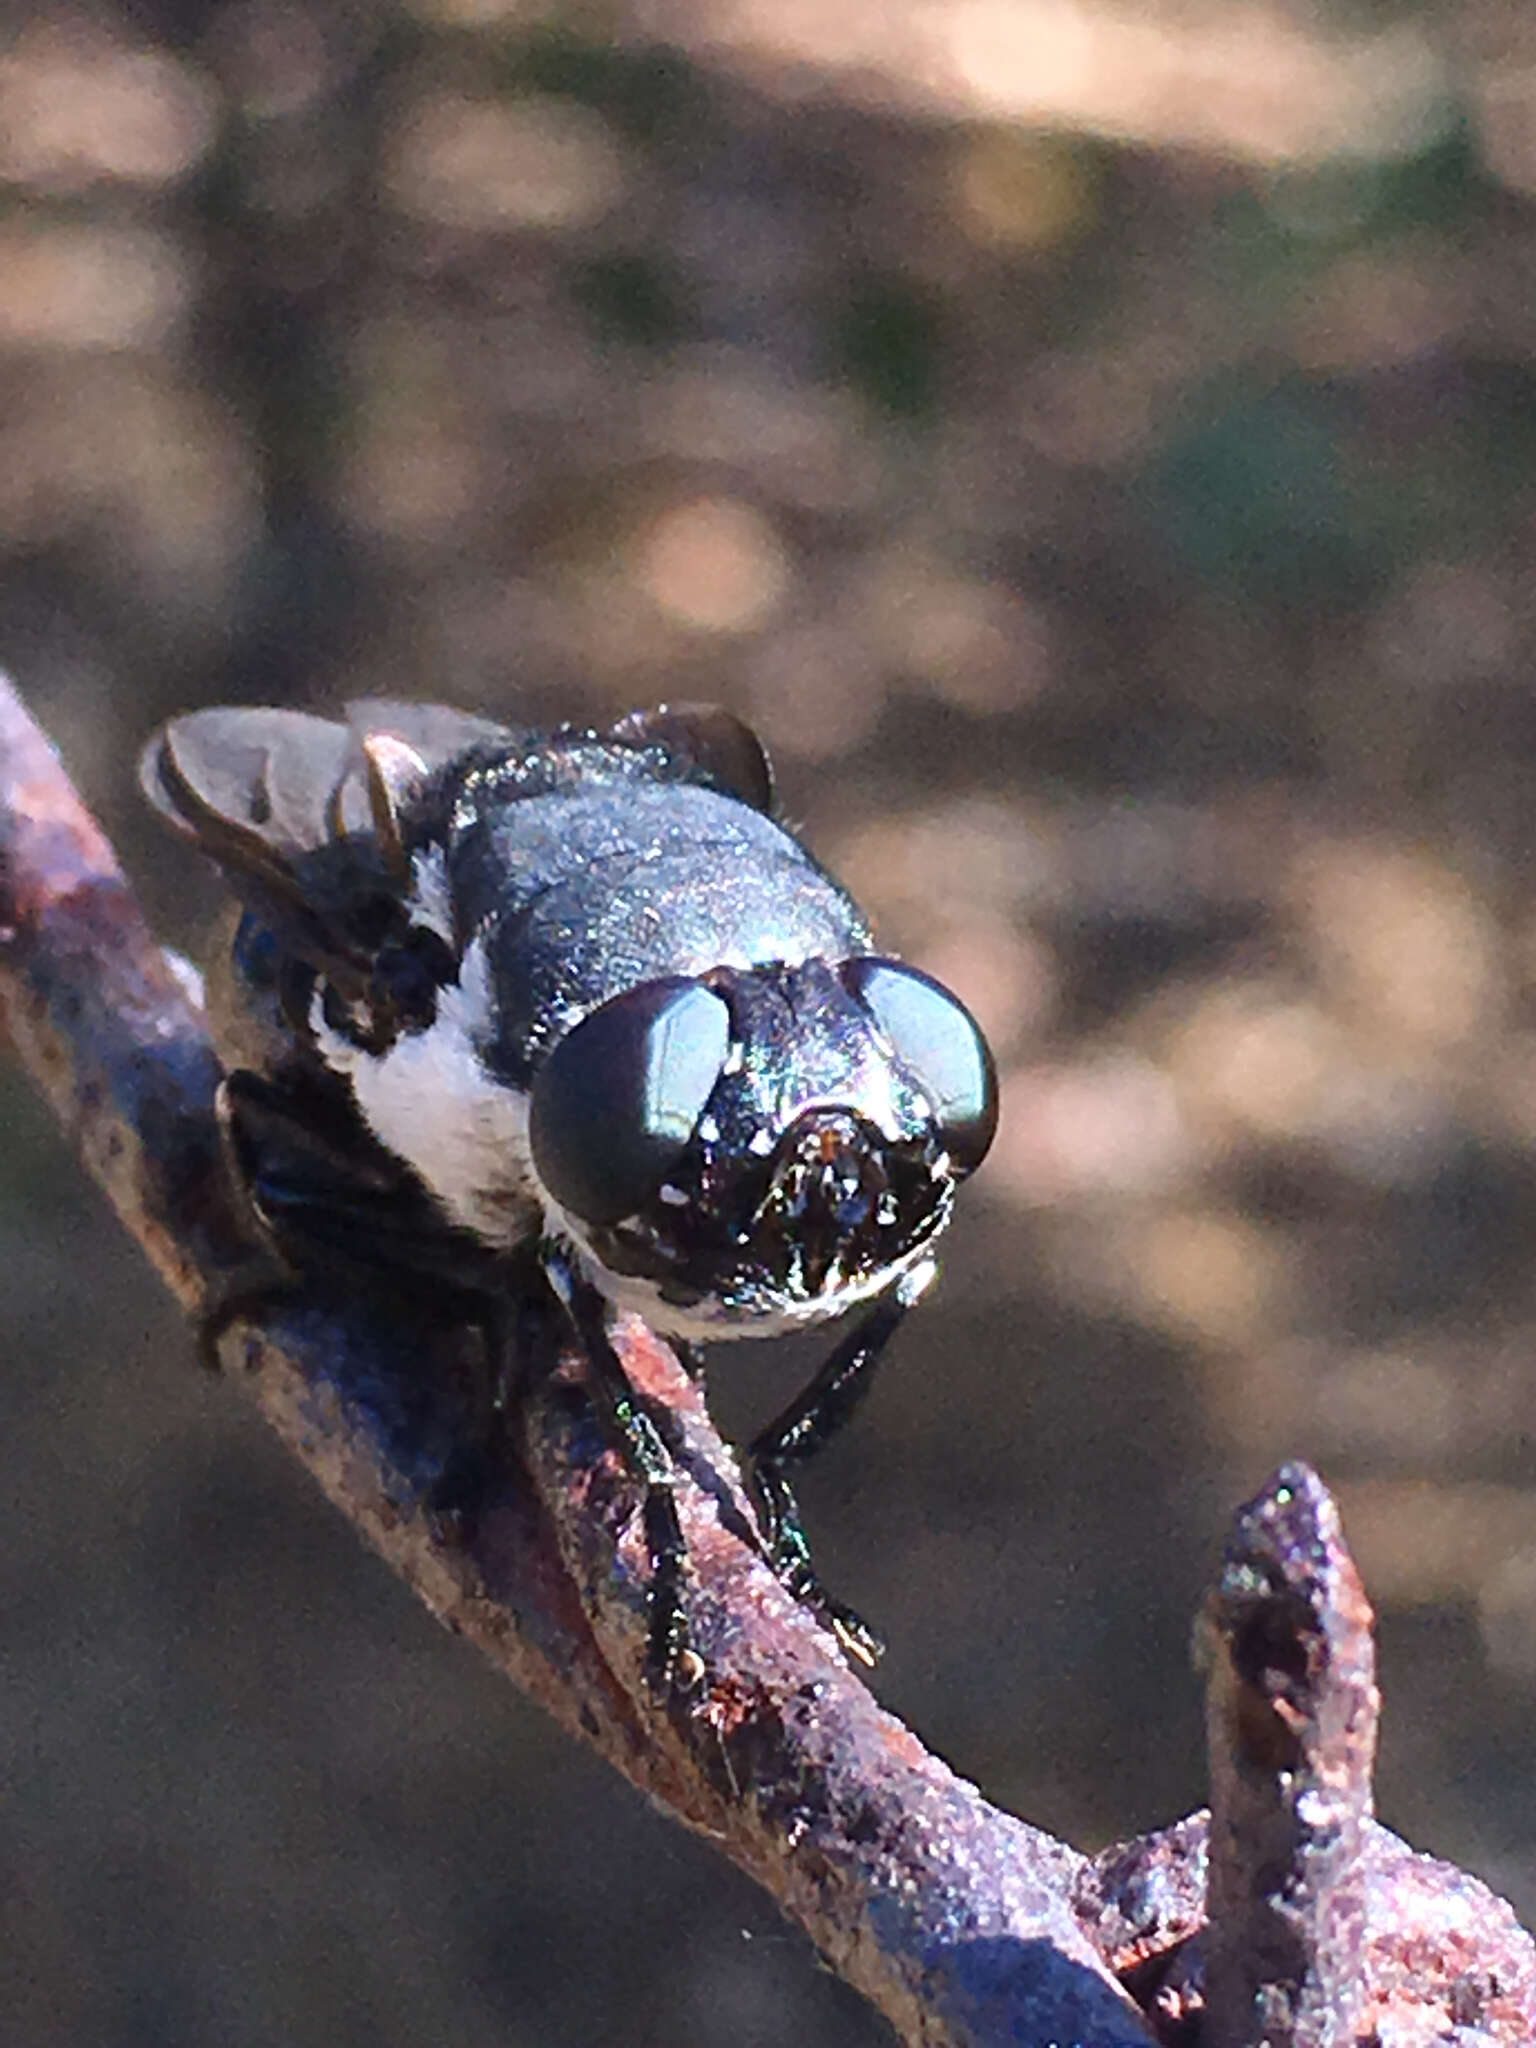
(616, 1102)
(940, 1044)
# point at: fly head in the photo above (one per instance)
(760, 1147)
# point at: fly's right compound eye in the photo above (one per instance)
(940, 1043)
(617, 1101)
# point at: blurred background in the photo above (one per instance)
(1096, 444)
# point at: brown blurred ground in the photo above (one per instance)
(1096, 446)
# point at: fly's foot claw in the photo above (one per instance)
(673, 1667)
(855, 1638)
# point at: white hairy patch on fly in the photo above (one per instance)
(431, 1101)
(718, 1322)
(188, 974)
(433, 905)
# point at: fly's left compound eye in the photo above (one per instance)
(940, 1044)
(617, 1101)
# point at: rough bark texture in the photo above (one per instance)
(1292, 1700)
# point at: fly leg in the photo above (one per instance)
(668, 1651)
(818, 1413)
(334, 1221)
(265, 1277)
(316, 1203)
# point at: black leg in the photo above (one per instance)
(329, 1198)
(255, 1288)
(668, 1653)
(262, 1279)
(335, 1220)
(817, 1414)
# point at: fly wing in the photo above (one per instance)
(436, 733)
(254, 789)
(307, 815)
(722, 747)
(397, 749)
(260, 790)
(275, 797)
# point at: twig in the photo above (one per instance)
(1289, 1917)
(1291, 1695)
(964, 1925)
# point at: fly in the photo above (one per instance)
(583, 994)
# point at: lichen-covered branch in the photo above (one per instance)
(961, 1923)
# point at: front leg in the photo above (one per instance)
(671, 1662)
(817, 1414)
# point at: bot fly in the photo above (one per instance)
(582, 995)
